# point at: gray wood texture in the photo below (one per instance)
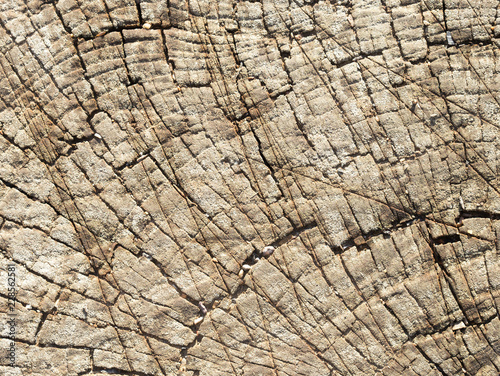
(150, 150)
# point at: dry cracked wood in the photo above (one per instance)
(151, 149)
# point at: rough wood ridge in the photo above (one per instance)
(151, 149)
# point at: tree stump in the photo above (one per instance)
(249, 188)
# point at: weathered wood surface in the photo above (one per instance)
(150, 150)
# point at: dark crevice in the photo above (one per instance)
(296, 232)
(119, 371)
(480, 214)
(300, 125)
(429, 360)
(40, 324)
(465, 214)
(362, 242)
(113, 29)
(139, 13)
(131, 80)
(451, 284)
(446, 239)
(388, 11)
(195, 85)
(177, 289)
(240, 290)
(264, 159)
(91, 116)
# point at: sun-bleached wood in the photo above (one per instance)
(153, 151)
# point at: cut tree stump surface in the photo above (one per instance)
(150, 150)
